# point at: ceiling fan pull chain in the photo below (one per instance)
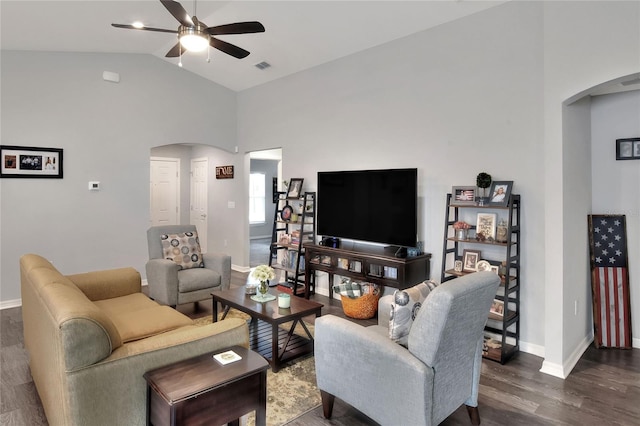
(209, 54)
(180, 55)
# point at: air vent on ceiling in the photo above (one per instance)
(263, 65)
(631, 82)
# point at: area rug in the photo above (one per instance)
(291, 391)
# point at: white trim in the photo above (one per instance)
(532, 348)
(563, 371)
(239, 268)
(15, 303)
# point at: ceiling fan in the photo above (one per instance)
(196, 36)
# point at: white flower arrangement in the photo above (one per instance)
(263, 273)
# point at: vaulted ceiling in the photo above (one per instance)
(299, 34)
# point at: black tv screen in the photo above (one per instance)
(369, 205)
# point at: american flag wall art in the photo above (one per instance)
(610, 281)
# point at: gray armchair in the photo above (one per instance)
(170, 285)
(419, 385)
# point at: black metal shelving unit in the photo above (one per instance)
(290, 232)
(505, 328)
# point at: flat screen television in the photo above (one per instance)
(369, 205)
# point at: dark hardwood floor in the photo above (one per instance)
(603, 388)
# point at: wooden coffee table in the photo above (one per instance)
(201, 390)
(265, 336)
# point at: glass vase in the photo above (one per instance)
(263, 288)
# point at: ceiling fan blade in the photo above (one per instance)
(237, 28)
(175, 51)
(178, 12)
(131, 27)
(228, 48)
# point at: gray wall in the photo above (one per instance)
(106, 130)
(616, 184)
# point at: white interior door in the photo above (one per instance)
(199, 210)
(164, 191)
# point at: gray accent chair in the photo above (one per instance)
(169, 285)
(419, 385)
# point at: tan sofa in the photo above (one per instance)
(91, 337)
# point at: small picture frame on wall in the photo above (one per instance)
(628, 149)
(30, 162)
(295, 188)
(463, 195)
(500, 192)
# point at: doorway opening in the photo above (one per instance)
(266, 176)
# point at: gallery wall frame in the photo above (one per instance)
(30, 162)
(628, 149)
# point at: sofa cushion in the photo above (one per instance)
(404, 309)
(182, 248)
(137, 317)
(197, 279)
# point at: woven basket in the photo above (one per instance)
(364, 307)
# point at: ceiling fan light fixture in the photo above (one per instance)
(193, 39)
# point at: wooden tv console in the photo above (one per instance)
(372, 264)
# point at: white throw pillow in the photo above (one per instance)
(404, 310)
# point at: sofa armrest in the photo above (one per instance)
(162, 277)
(221, 263)
(374, 372)
(118, 381)
(107, 284)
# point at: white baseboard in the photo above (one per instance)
(239, 268)
(563, 371)
(10, 304)
(532, 349)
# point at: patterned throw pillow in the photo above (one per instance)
(183, 249)
(404, 310)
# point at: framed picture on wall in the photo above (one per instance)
(628, 149)
(30, 162)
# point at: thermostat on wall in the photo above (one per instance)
(94, 186)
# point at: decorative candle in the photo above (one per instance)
(284, 300)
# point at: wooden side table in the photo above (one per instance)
(200, 390)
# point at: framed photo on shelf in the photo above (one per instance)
(295, 188)
(628, 149)
(497, 308)
(470, 260)
(495, 269)
(457, 265)
(30, 162)
(486, 225)
(463, 195)
(500, 192)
